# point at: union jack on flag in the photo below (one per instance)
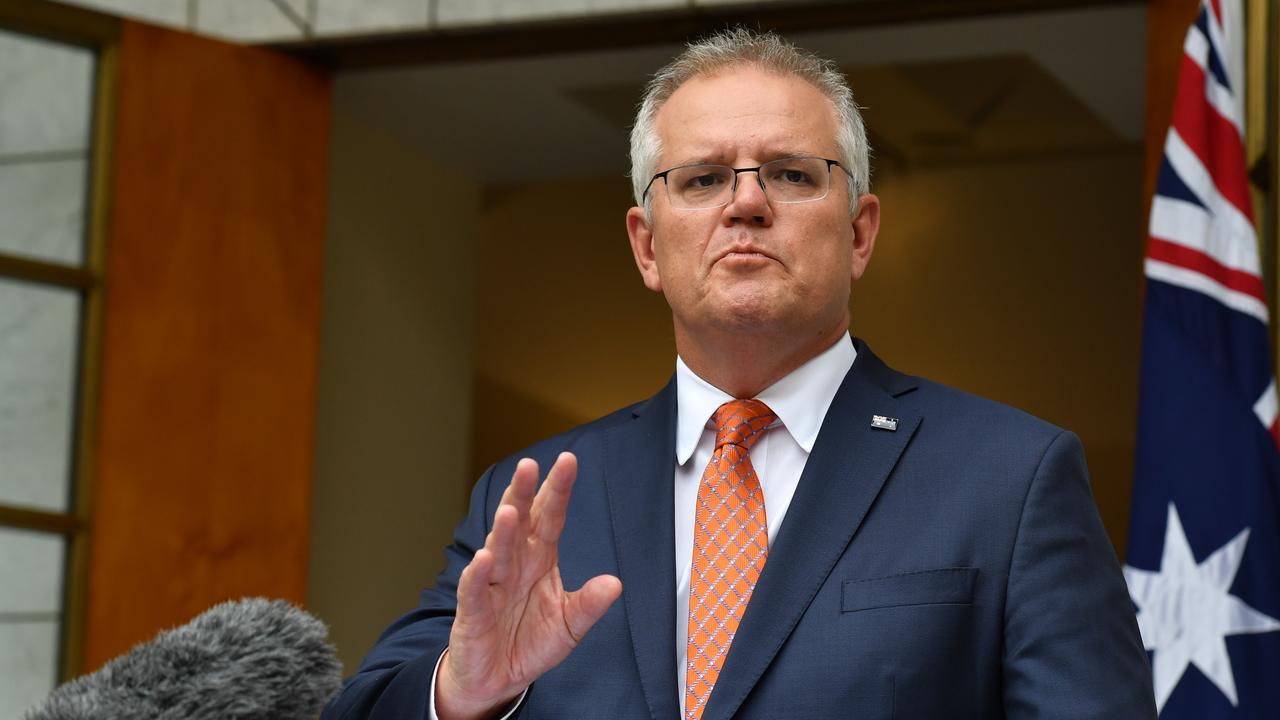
(1203, 564)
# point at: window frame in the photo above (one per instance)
(100, 34)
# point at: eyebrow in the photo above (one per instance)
(720, 160)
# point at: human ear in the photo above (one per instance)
(866, 223)
(641, 235)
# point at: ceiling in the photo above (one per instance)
(986, 89)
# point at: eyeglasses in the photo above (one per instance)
(786, 180)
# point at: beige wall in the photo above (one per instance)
(564, 329)
(395, 380)
(1019, 281)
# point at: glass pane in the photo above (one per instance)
(43, 206)
(31, 572)
(38, 343)
(28, 664)
(30, 575)
(44, 141)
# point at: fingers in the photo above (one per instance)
(511, 521)
(519, 492)
(552, 502)
(520, 514)
(473, 587)
(503, 543)
(584, 608)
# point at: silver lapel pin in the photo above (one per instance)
(884, 423)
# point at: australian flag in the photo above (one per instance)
(1203, 564)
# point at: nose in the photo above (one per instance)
(749, 203)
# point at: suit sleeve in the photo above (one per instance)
(1071, 646)
(395, 679)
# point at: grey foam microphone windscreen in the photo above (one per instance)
(245, 660)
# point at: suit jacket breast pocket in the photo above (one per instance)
(945, 586)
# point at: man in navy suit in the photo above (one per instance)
(929, 554)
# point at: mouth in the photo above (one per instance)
(744, 253)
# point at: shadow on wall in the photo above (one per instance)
(565, 331)
(507, 419)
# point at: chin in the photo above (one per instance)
(744, 308)
(749, 317)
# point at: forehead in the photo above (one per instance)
(744, 112)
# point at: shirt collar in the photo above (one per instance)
(800, 399)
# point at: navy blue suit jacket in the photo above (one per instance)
(953, 568)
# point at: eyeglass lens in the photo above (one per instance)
(787, 180)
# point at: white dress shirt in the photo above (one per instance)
(800, 400)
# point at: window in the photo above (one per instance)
(51, 82)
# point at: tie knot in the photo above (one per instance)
(740, 422)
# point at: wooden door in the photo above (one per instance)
(210, 334)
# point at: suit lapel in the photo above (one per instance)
(638, 468)
(842, 477)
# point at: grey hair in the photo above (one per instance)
(767, 51)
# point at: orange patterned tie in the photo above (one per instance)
(730, 543)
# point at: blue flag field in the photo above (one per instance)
(1203, 564)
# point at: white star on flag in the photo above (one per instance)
(1185, 611)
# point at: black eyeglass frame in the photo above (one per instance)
(644, 195)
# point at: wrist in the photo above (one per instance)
(454, 703)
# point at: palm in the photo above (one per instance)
(515, 621)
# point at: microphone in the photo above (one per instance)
(238, 660)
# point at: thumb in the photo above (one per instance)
(588, 604)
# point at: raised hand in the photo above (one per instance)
(515, 621)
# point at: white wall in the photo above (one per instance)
(264, 20)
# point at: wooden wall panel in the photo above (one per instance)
(211, 327)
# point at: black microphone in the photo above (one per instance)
(253, 658)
